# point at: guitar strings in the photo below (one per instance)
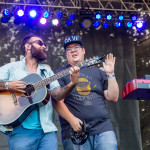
(46, 81)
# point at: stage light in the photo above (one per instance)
(98, 16)
(105, 25)
(96, 24)
(86, 23)
(81, 25)
(134, 18)
(43, 21)
(109, 17)
(121, 17)
(6, 13)
(72, 16)
(59, 15)
(6, 16)
(55, 22)
(129, 24)
(4, 20)
(20, 13)
(86, 17)
(139, 24)
(32, 13)
(69, 23)
(118, 24)
(46, 14)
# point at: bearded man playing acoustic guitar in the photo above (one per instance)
(37, 131)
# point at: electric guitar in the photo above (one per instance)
(15, 107)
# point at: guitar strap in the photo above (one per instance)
(42, 70)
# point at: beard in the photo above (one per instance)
(38, 54)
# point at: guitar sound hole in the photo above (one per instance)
(29, 90)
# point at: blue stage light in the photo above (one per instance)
(105, 24)
(69, 23)
(6, 12)
(59, 15)
(72, 16)
(134, 18)
(96, 24)
(4, 20)
(98, 16)
(20, 13)
(129, 24)
(32, 13)
(46, 14)
(121, 17)
(118, 24)
(81, 25)
(139, 24)
(109, 17)
(43, 21)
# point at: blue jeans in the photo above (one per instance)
(25, 139)
(104, 141)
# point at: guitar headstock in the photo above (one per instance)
(95, 61)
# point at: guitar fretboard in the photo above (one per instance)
(58, 75)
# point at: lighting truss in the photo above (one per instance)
(103, 5)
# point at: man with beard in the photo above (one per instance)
(37, 132)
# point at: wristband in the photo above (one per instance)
(6, 85)
(113, 75)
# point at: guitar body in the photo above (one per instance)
(15, 107)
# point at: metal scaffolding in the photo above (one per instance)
(102, 5)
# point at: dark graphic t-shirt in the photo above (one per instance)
(87, 101)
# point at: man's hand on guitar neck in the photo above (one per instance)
(61, 93)
(17, 86)
(74, 75)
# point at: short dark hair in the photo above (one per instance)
(26, 39)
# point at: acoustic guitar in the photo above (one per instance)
(15, 107)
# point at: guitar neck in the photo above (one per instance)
(56, 76)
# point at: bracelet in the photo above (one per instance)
(6, 85)
(113, 75)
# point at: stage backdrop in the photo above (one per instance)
(124, 114)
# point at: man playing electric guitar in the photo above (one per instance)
(37, 131)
